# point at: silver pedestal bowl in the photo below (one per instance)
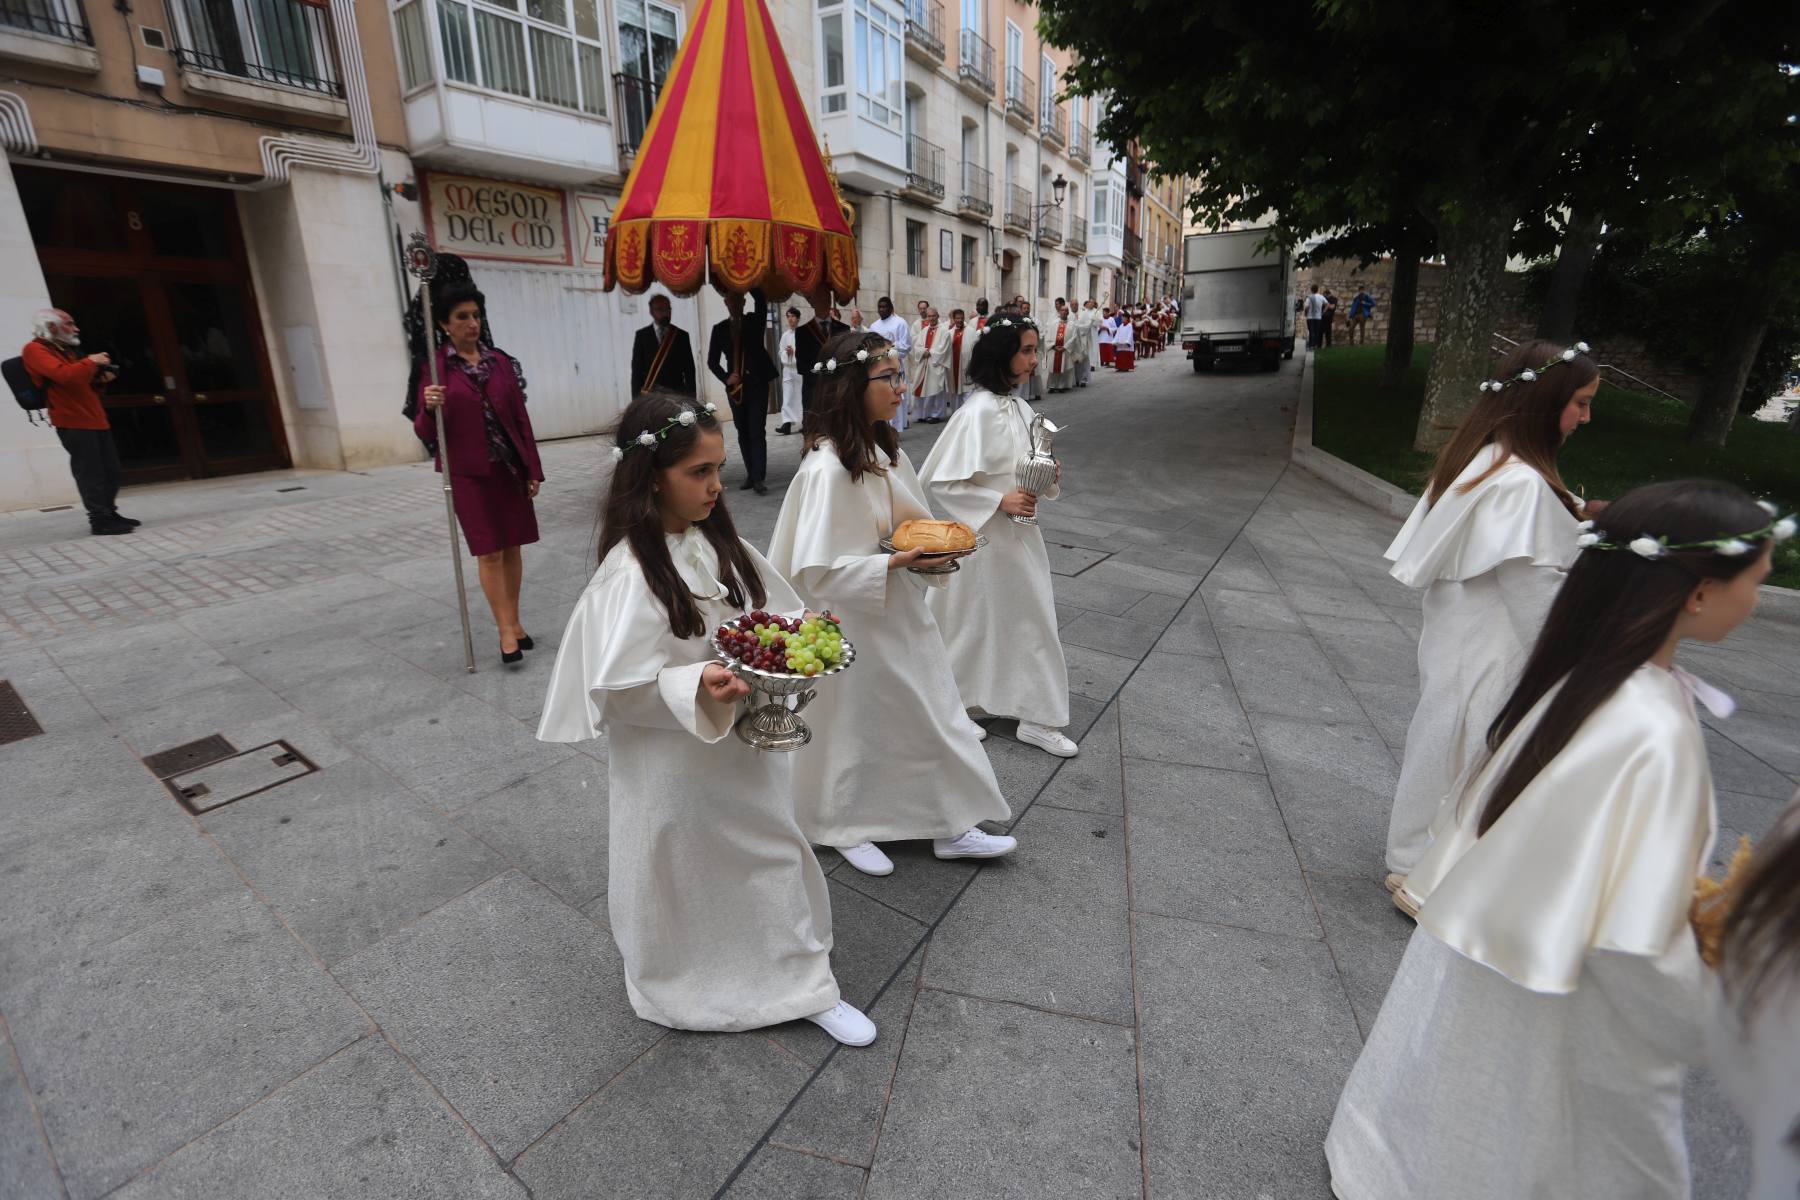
(771, 723)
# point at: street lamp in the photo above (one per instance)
(1059, 185)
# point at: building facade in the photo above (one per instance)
(1165, 202)
(202, 186)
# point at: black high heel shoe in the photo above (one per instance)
(512, 656)
(525, 642)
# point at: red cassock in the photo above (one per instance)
(956, 362)
(1056, 361)
(924, 361)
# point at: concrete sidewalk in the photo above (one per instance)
(392, 976)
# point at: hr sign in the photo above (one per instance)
(494, 218)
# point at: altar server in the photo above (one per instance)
(792, 408)
(999, 615)
(713, 895)
(1535, 1037)
(893, 755)
(956, 361)
(1061, 345)
(1103, 340)
(1754, 1047)
(1124, 343)
(1488, 544)
(894, 328)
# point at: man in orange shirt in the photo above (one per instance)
(68, 380)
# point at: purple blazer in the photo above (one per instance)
(464, 428)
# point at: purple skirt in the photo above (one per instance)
(494, 511)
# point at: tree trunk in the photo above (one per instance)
(1580, 242)
(1475, 251)
(1717, 406)
(1403, 308)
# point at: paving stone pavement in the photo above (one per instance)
(393, 976)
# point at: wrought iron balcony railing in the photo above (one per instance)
(1053, 123)
(1081, 146)
(1018, 208)
(1076, 238)
(977, 191)
(288, 44)
(53, 18)
(636, 100)
(925, 28)
(1050, 226)
(924, 167)
(975, 63)
(1021, 95)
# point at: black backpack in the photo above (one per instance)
(25, 390)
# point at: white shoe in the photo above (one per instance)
(974, 844)
(980, 731)
(845, 1024)
(1049, 740)
(867, 858)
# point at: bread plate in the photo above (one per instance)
(935, 562)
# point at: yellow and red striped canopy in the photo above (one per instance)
(729, 174)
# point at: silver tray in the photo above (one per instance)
(935, 562)
(773, 725)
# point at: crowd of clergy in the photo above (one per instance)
(1553, 812)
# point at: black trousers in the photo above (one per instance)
(94, 461)
(1315, 332)
(751, 413)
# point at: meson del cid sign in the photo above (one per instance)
(495, 218)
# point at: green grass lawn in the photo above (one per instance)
(1633, 439)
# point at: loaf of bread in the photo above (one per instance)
(933, 537)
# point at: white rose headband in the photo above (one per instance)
(686, 417)
(830, 366)
(1007, 323)
(1734, 545)
(1528, 375)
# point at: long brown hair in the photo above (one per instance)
(629, 512)
(839, 412)
(1614, 611)
(1523, 419)
(1761, 948)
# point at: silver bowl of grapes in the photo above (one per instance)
(777, 691)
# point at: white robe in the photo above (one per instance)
(714, 897)
(896, 331)
(791, 411)
(1757, 1065)
(929, 371)
(999, 613)
(1533, 1042)
(1490, 561)
(1064, 378)
(956, 362)
(893, 756)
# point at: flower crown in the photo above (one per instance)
(1731, 546)
(687, 416)
(829, 366)
(1007, 323)
(1530, 376)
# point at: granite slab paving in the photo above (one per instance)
(394, 977)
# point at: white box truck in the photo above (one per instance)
(1234, 300)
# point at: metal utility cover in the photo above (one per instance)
(231, 779)
(16, 721)
(177, 760)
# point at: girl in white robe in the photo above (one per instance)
(792, 411)
(999, 616)
(717, 904)
(1534, 1039)
(1488, 544)
(1753, 1043)
(893, 756)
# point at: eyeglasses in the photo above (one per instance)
(886, 377)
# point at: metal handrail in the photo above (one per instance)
(924, 166)
(975, 61)
(1621, 372)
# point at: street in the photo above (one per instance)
(391, 976)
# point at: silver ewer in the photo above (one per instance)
(769, 723)
(1036, 472)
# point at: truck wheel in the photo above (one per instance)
(1271, 364)
(1202, 364)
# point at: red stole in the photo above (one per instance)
(1056, 367)
(956, 362)
(981, 322)
(924, 361)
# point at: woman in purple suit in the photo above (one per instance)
(493, 457)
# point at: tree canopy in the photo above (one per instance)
(1491, 122)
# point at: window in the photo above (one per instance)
(1046, 87)
(878, 64)
(971, 16)
(289, 44)
(971, 250)
(915, 247)
(1069, 284)
(834, 95)
(1075, 109)
(415, 47)
(1043, 274)
(1015, 46)
(649, 34)
(549, 52)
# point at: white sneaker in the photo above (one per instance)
(845, 1024)
(1047, 739)
(867, 858)
(974, 844)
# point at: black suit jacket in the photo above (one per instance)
(677, 372)
(759, 369)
